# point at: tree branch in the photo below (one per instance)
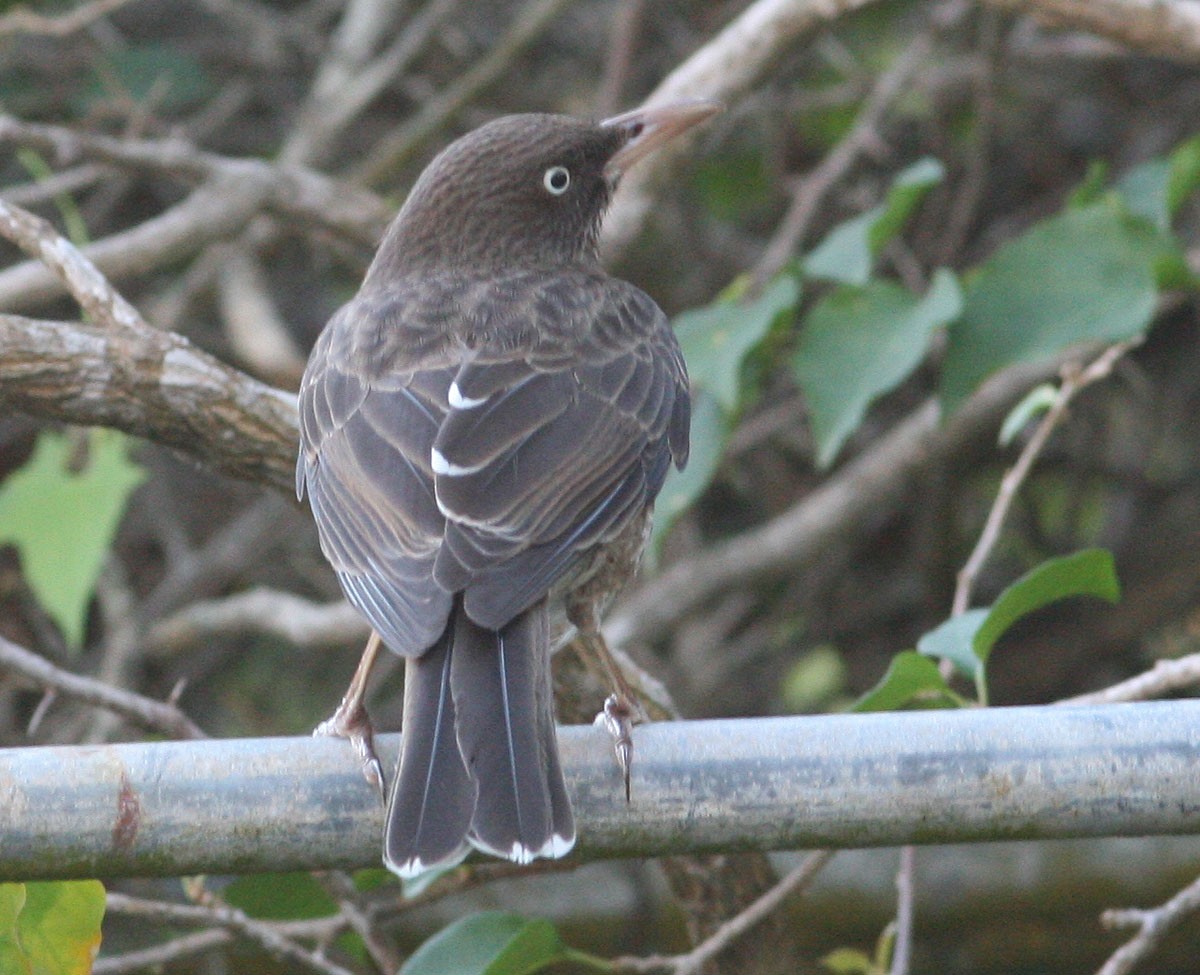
(143, 711)
(151, 384)
(724, 69)
(1152, 926)
(1169, 28)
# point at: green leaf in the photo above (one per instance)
(716, 339)
(50, 928)
(1086, 275)
(710, 430)
(967, 640)
(1157, 188)
(849, 250)
(1033, 404)
(1087, 573)
(63, 522)
(911, 681)
(490, 943)
(859, 343)
(280, 896)
(954, 640)
(849, 961)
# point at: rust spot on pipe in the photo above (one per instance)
(129, 816)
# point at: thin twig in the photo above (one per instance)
(1074, 380)
(811, 189)
(906, 898)
(160, 955)
(1152, 926)
(693, 961)
(354, 909)
(952, 235)
(39, 239)
(1169, 29)
(302, 195)
(216, 914)
(621, 43)
(301, 622)
(1165, 677)
(343, 88)
(724, 69)
(22, 20)
(63, 183)
(528, 24)
(143, 711)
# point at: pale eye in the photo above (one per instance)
(556, 180)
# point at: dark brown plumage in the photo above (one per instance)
(484, 429)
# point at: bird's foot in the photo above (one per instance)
(617, 718)
(350, 721)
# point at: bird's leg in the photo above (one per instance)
(620, 707)
(350, 720)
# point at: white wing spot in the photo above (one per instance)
(443, 467)
(458, 401)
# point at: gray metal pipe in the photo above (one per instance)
(246, 805)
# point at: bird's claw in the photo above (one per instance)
(350, 721)
(617, 718)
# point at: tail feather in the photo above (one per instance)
(432, 799)
(500, 683)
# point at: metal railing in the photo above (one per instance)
(246, 805)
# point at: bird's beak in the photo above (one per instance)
(650, 127)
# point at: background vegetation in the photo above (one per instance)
(914, 221)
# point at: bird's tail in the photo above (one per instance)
(432, 799)
(479, 762)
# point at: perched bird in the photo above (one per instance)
(484, 428)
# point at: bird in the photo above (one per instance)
(484, 428)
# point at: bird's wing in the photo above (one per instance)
(364, 463)
(544, 453)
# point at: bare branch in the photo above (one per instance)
(292, 192)
(232, 919)
(1152, 926)
(143, 711)
(1074, 380)
(724, 69)
(694, 961)
(811, 189)
(347, 81)
(1170, 28)
(1165, 677)
(24, 21)
(177, 949)
(63, 265)
(528, 23)
(299, 621)
(151, 384)
(214, 211)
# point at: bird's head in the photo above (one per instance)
(524, 190)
